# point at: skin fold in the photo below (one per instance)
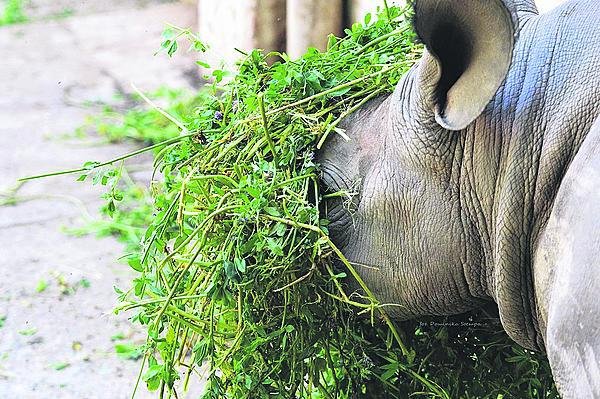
(478, 179)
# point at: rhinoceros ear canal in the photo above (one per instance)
(471, 43)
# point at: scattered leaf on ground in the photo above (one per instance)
(118, 336)
(28, 332)
(84, 283)
(60, 366)
(128, 351)
(41, 286)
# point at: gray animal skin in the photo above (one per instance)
(478, 179)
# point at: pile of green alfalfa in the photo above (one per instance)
(236, 283)
(236, 268)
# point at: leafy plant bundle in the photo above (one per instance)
(237, 282)
(236, 267)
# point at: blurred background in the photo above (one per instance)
(63, 62)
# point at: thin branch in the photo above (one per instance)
(109, 162)
(164, 113)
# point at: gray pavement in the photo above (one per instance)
(52, 344)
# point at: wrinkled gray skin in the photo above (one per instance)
(478, 179)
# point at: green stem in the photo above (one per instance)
(187, 267)
(234, 345)
(163, 225)
(380, 39)
(345, 114)
(193, 234)
(324, 93)
(226, 179)
(120, 158)
(387, 10)
(139, 376)
(261, 102)
(293, 179)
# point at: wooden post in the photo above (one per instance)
(244, 24)
(309, 23)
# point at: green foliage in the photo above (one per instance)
(142, 123)
(247, 273)
(472, 357)
(84, 283)
(118, 336)
(41, 286)
(60, 366)
(28, 331)
(129, 351)
(13, 13)
(127, 221)
(235, 267)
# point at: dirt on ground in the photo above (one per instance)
(57, 329)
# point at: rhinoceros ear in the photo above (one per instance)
(469, 50)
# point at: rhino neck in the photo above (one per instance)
(517, 152)
(504, 169)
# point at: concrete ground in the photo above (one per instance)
(57, 343)
(45, 9)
